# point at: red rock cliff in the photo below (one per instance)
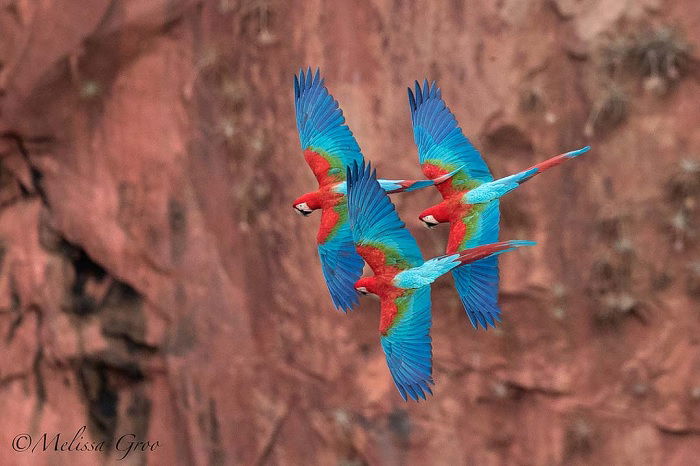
(154, 279)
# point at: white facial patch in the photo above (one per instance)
(429, 221)
(302, 208)
(364, 292)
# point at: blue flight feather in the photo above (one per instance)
(408, 346)
(407, 343)
(320, 120)
(477, 283)
(342, 267)
(438, 136)
(373, 218)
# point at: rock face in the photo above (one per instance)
(155, 281)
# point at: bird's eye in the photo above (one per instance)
(362, 290)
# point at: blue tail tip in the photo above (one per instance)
(523, 243)
(580, 151)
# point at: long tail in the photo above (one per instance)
(470, 255)
(495, 189)
(405, 186)
(553, 162)
(432, 269)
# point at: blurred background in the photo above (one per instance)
(155, 280)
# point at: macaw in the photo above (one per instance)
(470, 197)
(401, 279)
(329, 148)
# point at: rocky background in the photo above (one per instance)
(154, 279)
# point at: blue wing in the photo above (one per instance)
(322, 128)
(441, 143)
(375, 223)
(407, 344)
(477, 283)
(342, 267)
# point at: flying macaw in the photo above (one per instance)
(470, 197)
(401, 279)
(329, 148)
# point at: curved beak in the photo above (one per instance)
(302, 212)
(303, 209)
(429, 221)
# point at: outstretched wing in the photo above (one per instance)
(407, 344)
(477, 283)
(341, 264)
(442, 147)
(379, 235)
(328, 144)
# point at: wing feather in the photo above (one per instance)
(442, 147)
(341, 264)
(407, 343)
(477, 283)
(323, 134)
(376, 226)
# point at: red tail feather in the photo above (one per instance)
(480, 252)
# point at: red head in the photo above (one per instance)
(307, 203)
(435, 215)
(367, 285)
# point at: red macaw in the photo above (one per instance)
(402, 279)
(329, 148)
(470, 197)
